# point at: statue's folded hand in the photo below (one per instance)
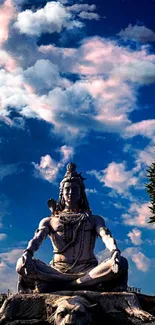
(116, 261)
(27, 262)
(26, 258)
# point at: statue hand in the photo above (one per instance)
(27, 263)
(116, 261)
(51, 204)
(26, 258)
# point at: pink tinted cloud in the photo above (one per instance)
(146, 156)
(47, 169)
(7, 61)
(95, 50)
(7, 12)
(6, 119)
(19, 94)
(47, 48)
(52, 48)
(107, 67)
(92, 58)
(29, 88)
(141, 261)
(98, 55)
(135, 236)
(37, 105)
(42, 109)
(101, 56)
(138, 215)
(145, 127)
(113, 98)
(67, 153)
(112, 105)
(116, 176)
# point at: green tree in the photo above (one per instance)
(150, 186)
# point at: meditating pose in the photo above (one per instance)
(73, 230)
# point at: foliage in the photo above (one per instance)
(151, 190)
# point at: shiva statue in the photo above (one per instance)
(73, 230)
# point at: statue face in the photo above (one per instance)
(71, 193)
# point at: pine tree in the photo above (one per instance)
(151, 190)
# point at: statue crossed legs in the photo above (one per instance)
(73, 230)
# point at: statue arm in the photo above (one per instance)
(40, 234)
(105, 234)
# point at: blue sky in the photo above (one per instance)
(77, 84)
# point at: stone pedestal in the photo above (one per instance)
(118, 308)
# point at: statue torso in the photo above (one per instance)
(73, 237)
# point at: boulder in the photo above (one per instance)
(110, 308)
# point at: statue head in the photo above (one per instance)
(72, 192)
(72, 311)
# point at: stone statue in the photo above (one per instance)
(73, 230)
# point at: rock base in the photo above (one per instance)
(110, 308)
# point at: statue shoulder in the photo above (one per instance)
(45, 222)
(99, 220)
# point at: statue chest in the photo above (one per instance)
(71, 228)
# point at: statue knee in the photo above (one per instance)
(124, 264)
(19, 266)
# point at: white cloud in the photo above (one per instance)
(135, 236)
(137, 33)
(12, 256)
(141, 261)
(7, 13)
(145, 128)
(8, 275)
(118, 65)
(116, 176)
(146, 156)
(89, 15)
(52, 18)
(140, 72)
(91, 103)
(48, 168)
(6, 61)
(34, 87)
(91, 191)
(96, 56)
(44, 75)
(103, 255)
(67, 153)
(64, 1)
(138, 215)
(6, 170)
(144, 159)
(81, 7)
(4, 208)
(118, 205)
(8, 278)
(99, 55)
(3, 236)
